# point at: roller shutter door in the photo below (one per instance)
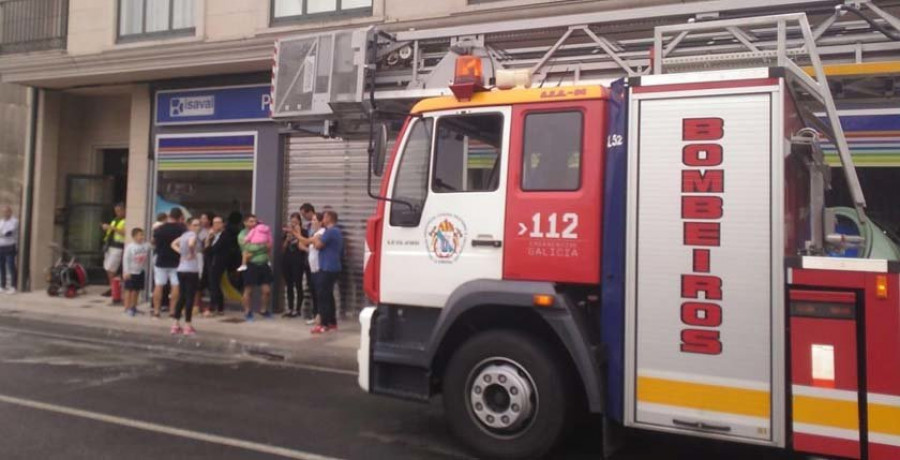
(332, 172)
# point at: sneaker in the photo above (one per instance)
(248, 317)
(207, 313)
(310, 321)
(108, 293)
(189, 330)
(288, 314)
(176, 329)
(131, 312)
(242, 268)
(267, 315)
(155, 315)
(10, 291)
(318, 330)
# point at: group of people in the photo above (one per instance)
(190, 256)
(312, 247)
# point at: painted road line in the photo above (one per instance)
(158, 347)
(162, 429)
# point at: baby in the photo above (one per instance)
(260, 234)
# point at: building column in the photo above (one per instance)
(45, 187)
(137, 199)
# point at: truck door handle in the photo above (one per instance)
(701, 425)
(686, 424)
(487, 243)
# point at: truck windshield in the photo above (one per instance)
(411, 182)
(467, 153)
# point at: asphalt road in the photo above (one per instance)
(83, 397)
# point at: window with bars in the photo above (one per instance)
(33, 25)
(143, 19)
(294, 10)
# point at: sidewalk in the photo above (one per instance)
(280, 340)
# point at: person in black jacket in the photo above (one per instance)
(293, 261)
(217, 255)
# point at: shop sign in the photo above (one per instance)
(213, 105)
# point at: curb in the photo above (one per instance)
(323, 357)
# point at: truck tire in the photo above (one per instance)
(507, 395)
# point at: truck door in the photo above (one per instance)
(554, 192)
(825, 372)
(444, 225)
(705, 296)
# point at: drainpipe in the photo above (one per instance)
(33, 98)
(151, 161)
(150, 212)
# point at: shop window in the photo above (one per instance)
(294, 10)
(467, 153)
(195, 191)
(551, 152)
(411, 183)
(147, 19)
(205, 172)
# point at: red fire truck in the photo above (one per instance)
(656, 250)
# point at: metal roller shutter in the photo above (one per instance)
(332, 172)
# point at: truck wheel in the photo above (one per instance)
(507, 395)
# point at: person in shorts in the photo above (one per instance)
(258, 273)
(114, 243)
(134, 264)
(165, 270)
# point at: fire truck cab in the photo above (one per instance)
(651, 250)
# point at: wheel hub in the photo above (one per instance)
(501, 397)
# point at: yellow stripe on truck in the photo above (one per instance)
(729, 400)
(511, 96)
(826, 412)
(858, 69)
(884, 419)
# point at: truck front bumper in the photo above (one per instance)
(364, 353)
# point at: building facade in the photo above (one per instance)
(102, 67)
(162, 103)
(15, 113)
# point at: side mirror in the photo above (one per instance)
(379, 149)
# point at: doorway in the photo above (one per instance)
(115, 166)
(89, 203)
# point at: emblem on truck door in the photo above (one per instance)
(445, 238)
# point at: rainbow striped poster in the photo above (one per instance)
(873, 135)
(206, 152)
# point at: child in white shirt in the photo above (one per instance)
(134, 264)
